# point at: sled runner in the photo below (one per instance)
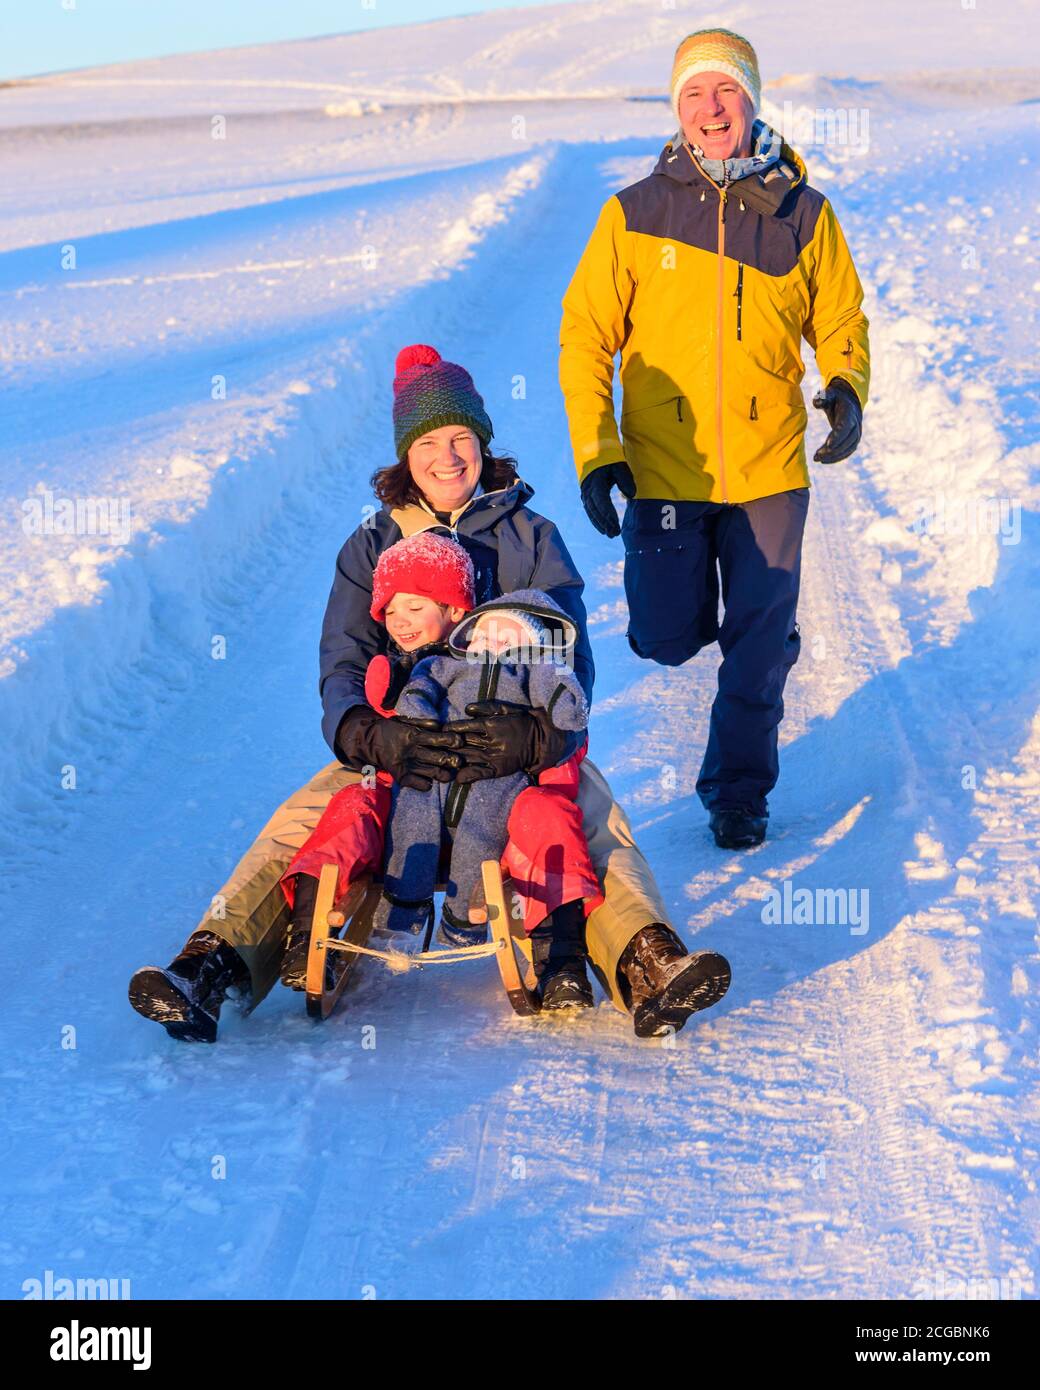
(340, 933)
(329, 962)
(517, 975)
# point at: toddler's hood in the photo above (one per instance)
(563, 630)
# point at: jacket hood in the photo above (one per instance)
(482, 511)
(563, 631)
(764, 192)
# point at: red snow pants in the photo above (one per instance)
(546, 856)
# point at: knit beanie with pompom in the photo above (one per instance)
(429, 393)
(427, 564)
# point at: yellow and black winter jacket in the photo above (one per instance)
(707, 294)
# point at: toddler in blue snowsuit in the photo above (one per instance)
(514, 649)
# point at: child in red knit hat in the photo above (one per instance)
(422, 590)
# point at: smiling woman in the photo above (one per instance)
(443, 467)
(442, 435)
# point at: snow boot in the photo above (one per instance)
(186, 997)
(454, 932)
(394, 915)
(293, 973)
(737, 827)
(559, 953)
(474, 932)
(666, 983)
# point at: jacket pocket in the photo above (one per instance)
(636, 417)
(767, 321)
(666, 446)
(763, 394)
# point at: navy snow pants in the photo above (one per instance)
(675, 553)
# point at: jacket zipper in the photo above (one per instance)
(722, 291)
(455, 801)
(740, 295)
(721, 316)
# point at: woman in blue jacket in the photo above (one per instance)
(445, 478)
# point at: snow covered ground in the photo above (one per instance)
(196, 345)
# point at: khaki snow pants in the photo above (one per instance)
(250, 911)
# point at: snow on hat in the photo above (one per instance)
(426, 564)
(429, 393)
(716, 50)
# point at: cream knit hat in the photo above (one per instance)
(716, 50)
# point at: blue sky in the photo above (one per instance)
(51, 35)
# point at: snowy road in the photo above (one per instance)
(859, 1117)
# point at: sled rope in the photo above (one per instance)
(400, 961)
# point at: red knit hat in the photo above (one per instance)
(426, 564)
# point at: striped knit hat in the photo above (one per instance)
(429, 393)
(716, 50)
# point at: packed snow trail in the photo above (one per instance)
(856, 1119)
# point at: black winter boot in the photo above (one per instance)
(293, 973)
(737, 827)
(666, 983)
(186, 997)
(559, 954)
(474, 931)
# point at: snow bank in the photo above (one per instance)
(114, 596)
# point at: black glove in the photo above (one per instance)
(845, 416)
(417, 752)
(502, 738)
(595, 495)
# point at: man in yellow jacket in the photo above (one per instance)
(706, 276)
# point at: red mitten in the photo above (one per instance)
(377, 683)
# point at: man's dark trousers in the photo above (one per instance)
(675, 553)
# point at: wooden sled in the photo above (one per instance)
(509, 935)
(328, 970)
(335, 927)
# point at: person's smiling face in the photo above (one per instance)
(716, 115)
(413, 620)
(445, 466)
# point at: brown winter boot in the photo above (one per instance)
(666, 983)
(186, 997)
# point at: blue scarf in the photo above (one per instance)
(765, 152)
